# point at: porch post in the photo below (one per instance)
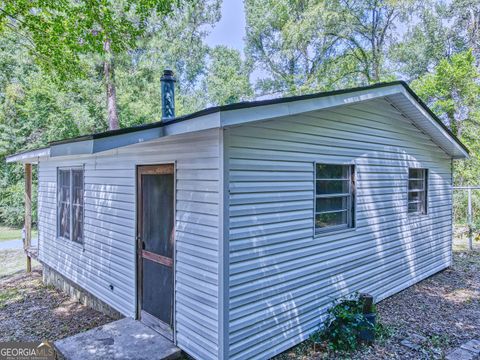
(470, 220)
(28, 214)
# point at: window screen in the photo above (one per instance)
(334, 189)
(70, 204)
(417, 191)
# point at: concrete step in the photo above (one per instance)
(120, 340)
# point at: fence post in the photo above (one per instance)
(469, 220)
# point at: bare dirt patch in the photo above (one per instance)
(445, 309)
(31, 311)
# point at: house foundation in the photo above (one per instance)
(54, 278)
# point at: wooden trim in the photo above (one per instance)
(138, 239)
(148, 319)
(160, 259)
(156, 324)
(156, 169)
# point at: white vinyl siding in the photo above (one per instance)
(107, 256)
(281, 276)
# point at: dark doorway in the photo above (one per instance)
(155, 234)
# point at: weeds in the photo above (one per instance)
(345, 323)
(9, 295)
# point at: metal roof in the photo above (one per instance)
(97, 142)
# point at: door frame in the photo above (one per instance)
(141, 169)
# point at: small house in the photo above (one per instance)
(230, 230)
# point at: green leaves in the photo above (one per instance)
(227, 81)
(58, 32)
(453, 90)
(344, 324)
(313, 45)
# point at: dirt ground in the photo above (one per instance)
(445, 309)
(30, 311)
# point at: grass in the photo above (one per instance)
(8, 233)
(12, 261)
(9, 295)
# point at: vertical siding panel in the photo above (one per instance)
(282, 278)
(108, 255)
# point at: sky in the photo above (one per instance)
(230, 30)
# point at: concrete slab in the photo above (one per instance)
(120, 340)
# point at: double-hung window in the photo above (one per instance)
(334, 197)
(417, 191)
(70, 204)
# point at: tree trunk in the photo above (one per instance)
(108, 71)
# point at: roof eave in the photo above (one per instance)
(458, 150)
(309, 103)
(101, 144)
(240, 113)
(29, 156)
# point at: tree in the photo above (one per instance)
(59, 32)
(35, 109)
(466, 21)
(425, 44)
(288, 41)
(227, 80)
(176, 42)
(441, 30)
(367, 29)
(318, 44)
(452, 90)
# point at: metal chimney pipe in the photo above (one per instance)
(168, 95)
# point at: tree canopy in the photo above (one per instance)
(74, 67)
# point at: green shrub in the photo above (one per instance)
(344, 323)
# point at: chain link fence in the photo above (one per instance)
(466, 217)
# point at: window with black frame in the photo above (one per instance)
(70, 204)
(417, 191)
(334, 197)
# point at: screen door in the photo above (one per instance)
(155, 235)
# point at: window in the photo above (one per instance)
(70, 204)
(334, 197)
(417, 191)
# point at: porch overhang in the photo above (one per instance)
(96, 144)
(29, 156)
